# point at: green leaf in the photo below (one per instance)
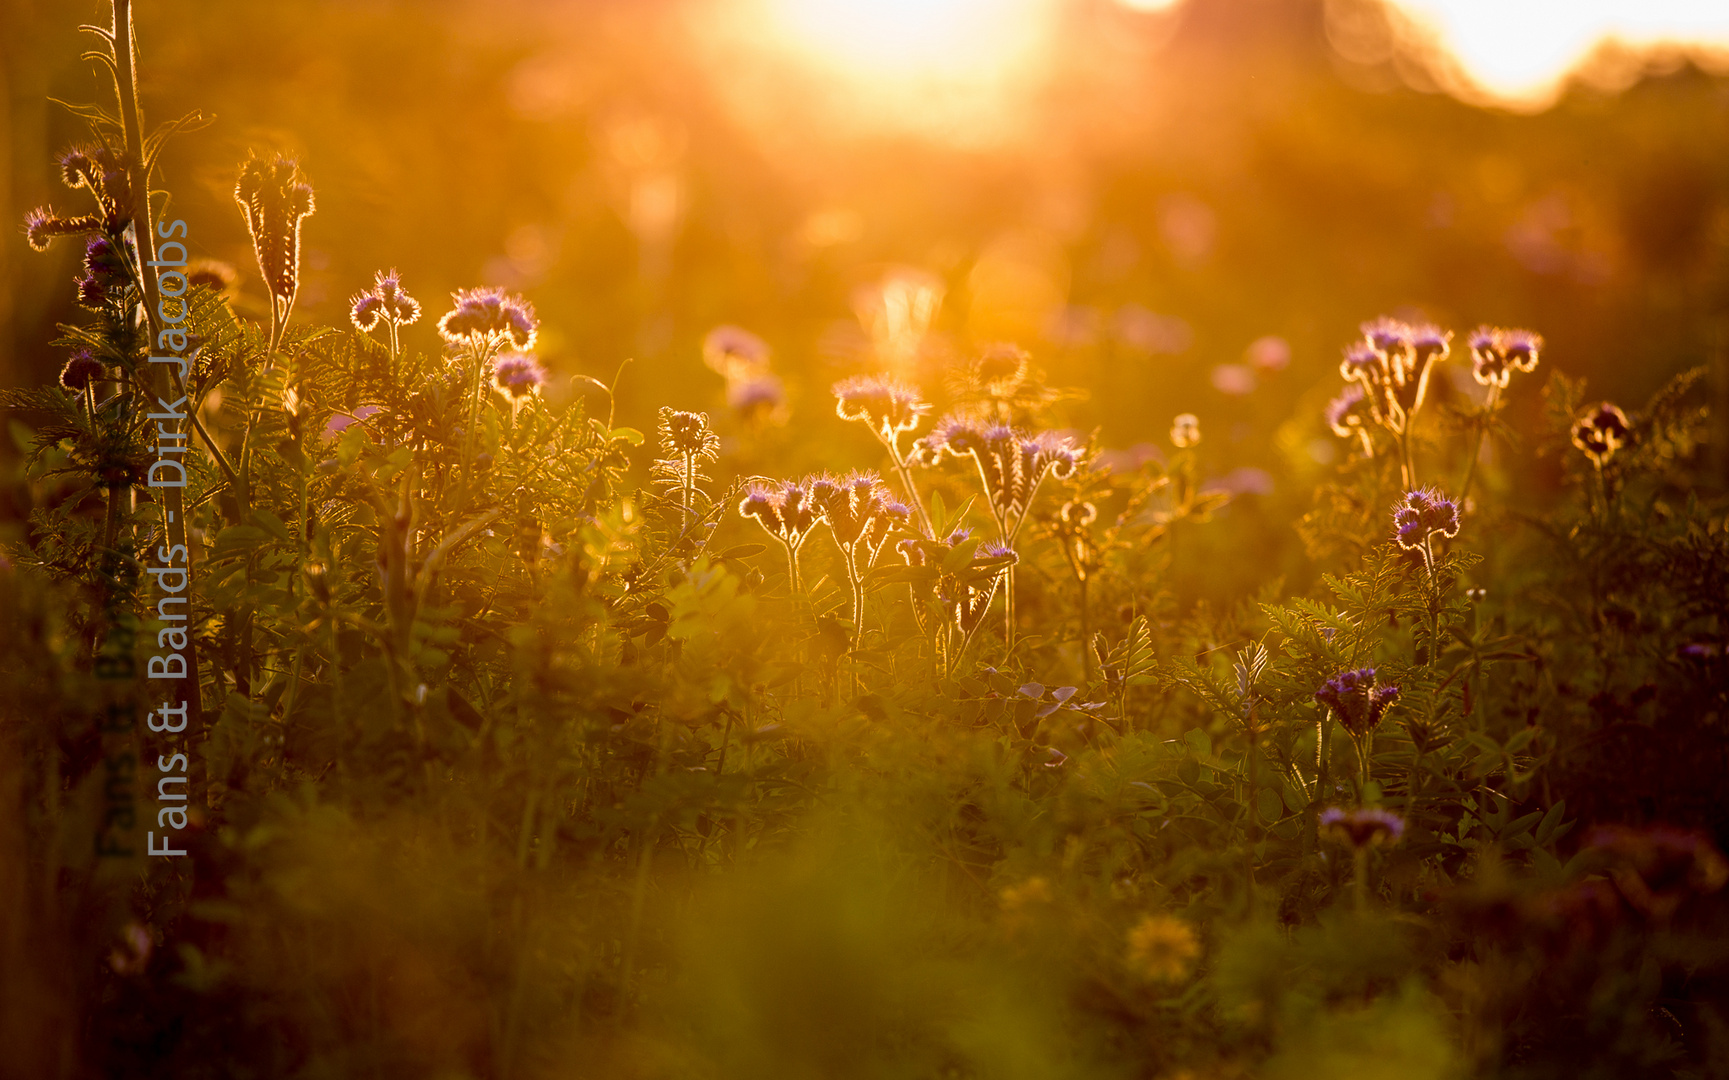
(627, 434)
(272, 523)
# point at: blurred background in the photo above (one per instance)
(1177, 206)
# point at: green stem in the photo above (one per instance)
(1483, 419)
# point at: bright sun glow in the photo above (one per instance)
(1518, 50)
(928, 40)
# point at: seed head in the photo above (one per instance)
(1600, 432)
(276, 199)
(887, 406)
(1356, 699)
(1362, 827)
(489, 318)
(1185, 430)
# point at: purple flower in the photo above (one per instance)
(42, 225)
(888, 406)
(1362, 827)
(365, 312)
(1423, 513)
(1345, 413)
(80, 371)
(760, 397)
(1357, 700)
(1497, 353)
(1600, 432)
(518, 374)
(341, 422)
(486, 318)
(735, 352)
(785, 509)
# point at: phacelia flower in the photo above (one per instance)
(42, 225)
(1363, 827)
(1496, 353)
(1392, 364)
(735, 352)
(489, 318)
(1162, 948)
(687, 433)
(97, 170)
(785, 509)
(1010, 464)
(887, 406)
(80, 371)
(387, 299)
(276, 198)
(1347, 412)
(213, 274)
(1185, 430)
(1423, 513)
(1600, 432)
(518, 374)
(1000, 368)
(759, 398)
(1357, 700)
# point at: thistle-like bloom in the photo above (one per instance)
(276, 199)
(784, 509)
(1185, 430)
(489, 318)
(1496, 353)
(1363, 827)
(735, 352)
(387, 299)
(80, 371)
(853, 505)
(887, 406)
(1422, 514)
(1010, 464)
(1357, 700)
(518, 375)
(1600, 432)
(1162, 948)
(686, 441)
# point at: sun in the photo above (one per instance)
(922, 40)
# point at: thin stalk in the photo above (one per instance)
(1483, 419)
(1360, 882)
(906, 479)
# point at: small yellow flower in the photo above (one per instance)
(1162, 948)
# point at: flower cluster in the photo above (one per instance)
(486, 319)
(1600, 432)
(786, 512)
(518, 375)
(97, 170)
(1424, 513)
(1356, 699)
(276, 198)
(887, 406)
(859, 510)
(80, 371)
(1496, 353)
(753, 392)
(1392, 365)
(1011, 464)
(964, 594)
(105, 273)
(386, 300)
(1362, 827)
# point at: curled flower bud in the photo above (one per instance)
(785, 509)
(518, 374)
(1362, 827)
(80, 371)
(688, 433)
(1497, 353)
(1357, 700)
(398, 306)
(487, 318)
(887, 406)
(1185, 430)
(1392, 364)
(42, 225)
(1346, 413)
(1011, 465)
(91, 292)
(365, 311)
(1600, 432)
(276, 198)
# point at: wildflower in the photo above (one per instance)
(1601, 432)
(1424, 513)
(213, 274)
(1010, 465)
(687, 441)
(1162, 948)
(1185, 430)
(759, 398)
(81, 370)
(1356, 699)
(485, 319)
(1392, 364)
(1497, 353)
(518, 375)
(387, 299)
(1362, 828)
(735, 352)
(42, 225)
(857, 507)
(96, 169)
(103, 261)
(786, 512)
(1346, 414)
(92, 293)
(276, 198)
(887, 406)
